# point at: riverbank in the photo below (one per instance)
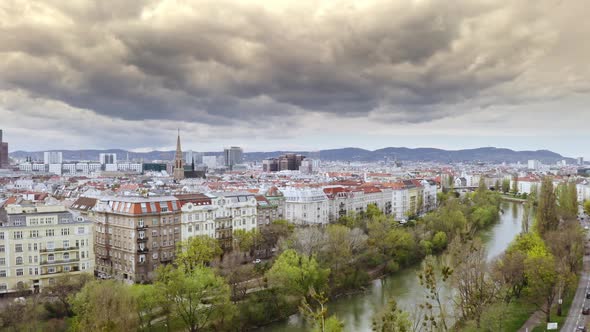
(512, 199)
(357, 310)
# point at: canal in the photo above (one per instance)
(356, 311)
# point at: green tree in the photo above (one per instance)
(434, 306)
(315, 312)
(515, 184)
(392, 319)
(587, 207)
(197, 251)
(149, 306)
(104, 306)
(297, 274)
(547, 219)
(64, 287)
(197, 296)
(342, 249)
(567, 197)
(439, 241)
(505, 186)
(542, 280)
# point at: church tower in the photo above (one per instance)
(178, 161)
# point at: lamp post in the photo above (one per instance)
(559, 302)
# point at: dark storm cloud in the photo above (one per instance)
(226, 62)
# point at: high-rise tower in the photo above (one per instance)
(178, 161)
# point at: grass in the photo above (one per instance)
(567, 303)
(518, 313)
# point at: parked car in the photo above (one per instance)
(581, 328)
(257, 261)
(588, 295)
(586, 311)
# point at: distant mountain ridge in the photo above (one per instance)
(484, 154)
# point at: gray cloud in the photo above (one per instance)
(224, 63)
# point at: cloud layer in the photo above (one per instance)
(272, 66)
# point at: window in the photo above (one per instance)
(140, 223)
(190, 229)
(34, 234)
(50, 257)
(2, 248)
(20, 272)
(66, 256)
(50, 270)
(50, 245)
(80, 230)
(3, 287)
(2, 261)
(2, 273)
(49, 232)
(67, 268)
(1, 235)
(66, 244)
(19, 261)
(18, 235)
(65, 231)
(18, 247)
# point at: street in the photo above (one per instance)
(575, 317)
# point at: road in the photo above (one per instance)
(575, 317)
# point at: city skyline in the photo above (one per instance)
(451, 76)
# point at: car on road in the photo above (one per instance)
(257, 261)
(581, 328)
(588, 295)
(586, 311)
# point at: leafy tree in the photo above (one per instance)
(297, 274)
(508, 270)
(542, 280)
(315, 312)
(149, 304)
(197, 296)
(64, 287)
(439, 241)
(547, 219)
(104, 306)
(475, 289)
(197, 251)
(392, 319)
(505, 186)
(515, 184)
(567, 197)
(341, 252)
(434, 305)
(587, 206)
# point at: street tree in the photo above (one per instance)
(296, 274)
(197, 251)
(104, 306)
(199, 297)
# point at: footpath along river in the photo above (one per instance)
(356, 311)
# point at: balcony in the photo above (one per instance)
(142, 239)
(60, 261)
(140, 227)
(59, 249)
(56, 271)
(141, 251)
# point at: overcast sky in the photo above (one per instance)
(302, 74)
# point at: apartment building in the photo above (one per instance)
(134, 235)
(218, 215)
(270, 207)
(308, 206)
(41, 242)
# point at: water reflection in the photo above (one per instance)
(356, 311)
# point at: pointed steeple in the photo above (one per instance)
(178, 161)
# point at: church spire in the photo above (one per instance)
(178, 160)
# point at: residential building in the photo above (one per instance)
(309, 206)
(134, 235)
(290, 162)
(52, 157)
(217, 215)
(534, 165)
(38, 243)
(270, 165)
(270, 207)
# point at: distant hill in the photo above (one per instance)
(485, 154)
